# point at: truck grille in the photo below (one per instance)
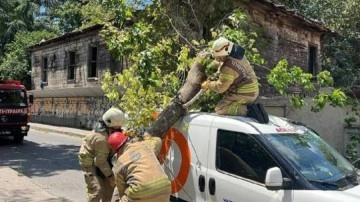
(12, 118)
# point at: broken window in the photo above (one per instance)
(53, 61)
(44, 69)
(312, 65)
(71, 66)
(93, 51)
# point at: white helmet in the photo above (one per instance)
(221, 47)
(114, 117)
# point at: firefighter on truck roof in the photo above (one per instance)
(237, 78)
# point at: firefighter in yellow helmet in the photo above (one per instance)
(237, 78)
(95, 156)
(138, 173)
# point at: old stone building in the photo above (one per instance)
(66, 69)
(65, 78)
(287, 35)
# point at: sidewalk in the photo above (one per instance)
(16, 187)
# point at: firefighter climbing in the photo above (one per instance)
(237, 78)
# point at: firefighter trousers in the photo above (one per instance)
(98, 188)
(160, 198)
(235, 104)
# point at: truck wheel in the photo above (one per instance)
(18, 139)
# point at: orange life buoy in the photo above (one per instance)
(173, 134)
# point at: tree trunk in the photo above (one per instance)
(176, 109)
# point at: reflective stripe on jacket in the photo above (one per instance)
(138, 173)
(94, 151)
(236, 75)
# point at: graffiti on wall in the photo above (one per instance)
(84, 111)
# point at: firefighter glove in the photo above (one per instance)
(205, 85)
(129, 133)
(112, 180)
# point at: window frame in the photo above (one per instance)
(312, 66)
(71, 67)
(44, 69)
(93, 62)
(261, 179)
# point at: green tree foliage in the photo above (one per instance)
(69, 15)
(153, 51)
(159, 51)
(283, 78)
(16, 15)
(79, 14)
(16, 64)
(18, 20)
(160, 57)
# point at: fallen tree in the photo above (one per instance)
(186, 95)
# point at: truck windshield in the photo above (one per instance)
(12, 98)
(319, 163)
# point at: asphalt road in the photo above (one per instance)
(50, 160)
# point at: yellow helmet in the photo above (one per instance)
(114, 117)
(221, 47)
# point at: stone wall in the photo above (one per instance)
(77, 112)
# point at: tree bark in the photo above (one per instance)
(175, 110)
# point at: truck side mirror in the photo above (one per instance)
(31, 99)
(274, 179)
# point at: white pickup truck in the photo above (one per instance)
(231, 158)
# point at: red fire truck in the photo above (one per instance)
(14, 110)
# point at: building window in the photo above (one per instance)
(44, 69)
(71, 66)
(93, 51)
(53, 61)
(312, 66)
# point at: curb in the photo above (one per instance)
(61, 131)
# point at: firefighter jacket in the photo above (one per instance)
(138, 173)
(94, 151)
(236, 76)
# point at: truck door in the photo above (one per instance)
(187, 161)
(237, 169)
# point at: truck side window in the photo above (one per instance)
(240, 154)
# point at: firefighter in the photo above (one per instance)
(138, 174)
(237, 78)
(94, 156)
